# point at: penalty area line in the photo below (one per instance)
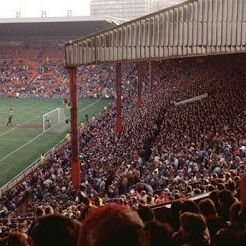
(3, 108)
(12, 129)
(88, 106)
(22, 146)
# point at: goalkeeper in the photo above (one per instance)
(48, 123)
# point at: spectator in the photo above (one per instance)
(112, 225)
(53, 230)
(17, 239)
(146, 213)
(160, 234)
(226, 199)
(193, 230)
(189, 206)
(214, 223)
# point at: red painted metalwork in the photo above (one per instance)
(150, 77)
(75, 164)
(139, 85)
(119, 121)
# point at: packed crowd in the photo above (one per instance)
(218, 220)
(11, 72)
(41, 73)
(183, 150)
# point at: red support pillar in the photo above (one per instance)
(150, 77)
(75, 164)
(139, 86)
(119, 123)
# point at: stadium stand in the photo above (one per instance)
(32, 53)
(176, 174)
(164, 147)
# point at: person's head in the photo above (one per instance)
(17, 239)
(189, 206)
(49, 210)
(234, 213)
(87, 201)
(112, 225)
(242, 186)
(192, 223)
(146, 213)
(207, 207)
(158, 233)
(53, 230)
(175, 211)
(40, 212)
(225, 198)
(98, 202)
(194, 228)
(231, 185)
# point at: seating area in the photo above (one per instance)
(167, 153)
(40, 72)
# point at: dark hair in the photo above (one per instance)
(193, 223)
(146, 213)
(207, 207)
(234, 213)
(16, 239)
(226, 197)
(160, 234)
(53, 230)
(194, 229)
(40, 212)
(175, 209)
(49, 210)
(112, 225)
(214, 197)
(231, 185)
(189, 206)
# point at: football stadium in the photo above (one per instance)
(127, 129)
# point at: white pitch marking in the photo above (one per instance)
(89, 105)
(22, 146)
(2, 108)
(12, 129)
(25, 144)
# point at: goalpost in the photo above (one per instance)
(55, 121)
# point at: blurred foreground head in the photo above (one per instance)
(112, 225)
(53, 230)
(243, 192)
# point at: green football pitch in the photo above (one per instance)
(23, 142)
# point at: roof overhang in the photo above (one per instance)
(192, 28)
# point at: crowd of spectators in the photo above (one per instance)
(41, 73)
(218, 220)
(182, 150)
(13, 73)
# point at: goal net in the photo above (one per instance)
(55, 121)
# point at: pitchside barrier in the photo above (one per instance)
(192, 99)
(162, 211)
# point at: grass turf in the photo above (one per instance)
(23, 142)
